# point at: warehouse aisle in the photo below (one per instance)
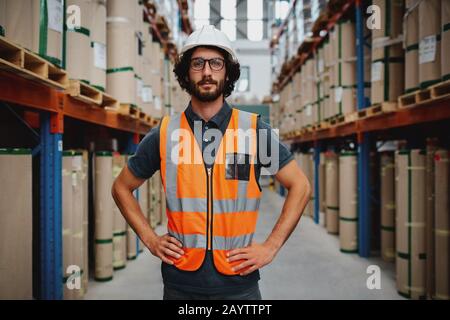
(309, 266)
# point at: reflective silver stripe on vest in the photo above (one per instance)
(228, 243)
(190, 240)
(186, 205)
(236, 205)
(174, 203)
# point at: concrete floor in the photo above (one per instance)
(309, 266)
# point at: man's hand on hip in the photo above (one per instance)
(256, 256)
(165, 246)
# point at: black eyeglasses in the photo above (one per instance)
(216, 64)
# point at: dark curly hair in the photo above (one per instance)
(233, 70)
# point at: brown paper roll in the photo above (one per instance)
(410, 226)
(103, 218)
(120, 225)
(332, 192)
(98, 35)
(430, 25)
(412, 48)
(445, 22)
(442, 225)
(387, 207)
(348, 206)
(67, 225)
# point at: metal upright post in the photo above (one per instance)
(50, 246)
(364, 214)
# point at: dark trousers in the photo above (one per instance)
(252, 293)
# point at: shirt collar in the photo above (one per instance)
(217, 119)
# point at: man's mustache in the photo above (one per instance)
(206, 81)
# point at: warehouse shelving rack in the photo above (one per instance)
(363, 129)
(54, 106)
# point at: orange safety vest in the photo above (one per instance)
(208, 208)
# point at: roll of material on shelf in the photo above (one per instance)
(131, 244)
(78, 51)
(85, 189)
(429, 42)
(348, 204)
(104, 220)
(387, 173)
(73, 232)
(147, 92)
(321, 80)
(121, 50)
(387, 72)
(98, 44)
(310, 159)
(78, 235)
(120, 225)
(139, 45)
(442, 225)
(344, 69)
(445, 22)
(307, 96)
(322, 184)
(410, 223)
(411, 34)
(375, 208)
(16, 224)
(305, 163)
(326, 79)
(67, 202)
(131, 236)
(35, 25)
(431, 148)
(332, 192)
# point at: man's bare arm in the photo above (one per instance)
(299, 193)
(122, 192)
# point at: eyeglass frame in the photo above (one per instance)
(209, 63)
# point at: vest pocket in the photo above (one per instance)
(237, 166)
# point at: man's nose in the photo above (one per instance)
(207, 69)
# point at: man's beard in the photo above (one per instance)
(209, 95)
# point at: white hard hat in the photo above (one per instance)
(208, 35)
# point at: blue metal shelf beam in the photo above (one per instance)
(51, 275)
(364, 213)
